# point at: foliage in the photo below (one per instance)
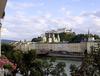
(90, 65)
(6, 49)
(66, 36)
(73, 38)
(16, 56)
(38, 39)
(79, 38)
(29, 65)
(29, 62)
(52, 68)
(73, 69)
(35, 72)
(59, 69)
(7, 66)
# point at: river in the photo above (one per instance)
(68, 63)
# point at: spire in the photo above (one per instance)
(88, 34)
(90, 38)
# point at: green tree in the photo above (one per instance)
(90, 65)
(38, 39)
(59, 69)
(96, 36)
(8, 66)
(66, 36)
(73, 69)
(31, 64)
(6, 49)
(53, 68)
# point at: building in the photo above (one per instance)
(51, 41)
(53, 35)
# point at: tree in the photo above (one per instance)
(29, 65)
(90, 65)
(66, 36)
(37, 70)
(73, 69)
(52, 68)
(8, 66)
(16, 58)
(6, 49)
(59, 69)
(79, 38)
(38, 39)
(8, 69)
(96, 36)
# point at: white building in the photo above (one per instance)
(53, 35)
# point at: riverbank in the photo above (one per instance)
(72, 57)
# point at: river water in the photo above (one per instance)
(68, 63)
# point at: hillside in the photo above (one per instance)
(7, 41)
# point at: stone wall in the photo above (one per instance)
(70, 47)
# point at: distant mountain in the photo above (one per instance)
(7, 41)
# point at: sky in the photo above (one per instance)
(26, 19)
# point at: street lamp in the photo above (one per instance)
(2, 13)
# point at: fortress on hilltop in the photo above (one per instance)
(51, 42)
(53, 35)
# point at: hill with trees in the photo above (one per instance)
(71, 37)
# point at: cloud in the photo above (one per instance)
(65, 11)
(19, 6)
(96, 21)
(94, 13)
(20, 25)
(92, 20)
(5, 33)
(15, 5)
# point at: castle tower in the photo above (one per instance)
(44, 38)
(50, 38)
(54, 38)
(58, 37)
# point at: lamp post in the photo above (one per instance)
(2, 14)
